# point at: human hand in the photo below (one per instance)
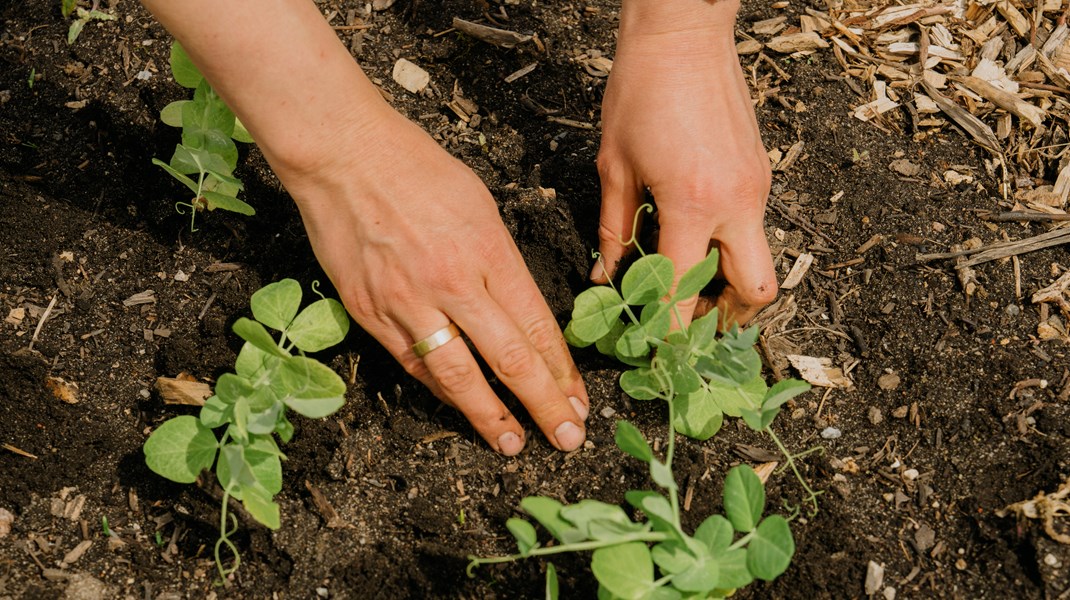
(412, 240)
(677, 118)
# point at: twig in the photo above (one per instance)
(11, 448)
(44, 317)
(1024, 215)
(1002, 249)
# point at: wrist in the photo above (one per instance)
(640, 18)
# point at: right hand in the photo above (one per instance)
(412, 240)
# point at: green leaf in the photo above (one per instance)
(552, 588)
(216, 412)
(607, 344)
(599, 520)
(769, 551)
(632, 442)
(662, 474)
(702, 332)
(309, 387)
(261, 507)
(524, 533)
(240, 133)
(672, 556)
(254, 364)
(572, 339)
(648, 279)
(728, 364)
(758, 420)
(172, 113)
(675, 361)
(626, 570)
(594, 313)
(703, 575)
(284, 428)
(716, 533)
(67, 7)
(732, 398)
(217, 201)
(547, 512)
(237, 477)
(640, 384)
(734, 571)
(633, 342)
(276, 304)
(262, 456)
(697, 277)
(656, 320)
(191, 159)
(658, 511)
(180, 449)
(744, 498)
(75, 30)
(182, 178)
(697, 415)
(322, 324)
(782, 391)
(186, 74)
(255, 334)
(207, 124)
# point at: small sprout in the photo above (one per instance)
(159, 540)
(104, 526)
(271, 376)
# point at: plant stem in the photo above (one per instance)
(647, 536)
(674, 499)
(811, 495)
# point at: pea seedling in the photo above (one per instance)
(252, 403)
(701, 377)
(68, 7)
(207, 151)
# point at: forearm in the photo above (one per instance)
(280, 68)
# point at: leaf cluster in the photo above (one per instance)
(703, 375)
(83, 17)
(270, 376)
(205, 160)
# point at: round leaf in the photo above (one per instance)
(648, 279)
(172, 113)
(697, 277)
(595, 312)
(716, 533)
(255, 334)
(185, 72)
(309, 387)
(696, 415)
(744, 498)
(639, 384)
(631, 441)
(524, 533)
(626, 570)
(322, 324)
(770, 550)
(276, 304)
(180, 449)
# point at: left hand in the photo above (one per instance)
(677, 118)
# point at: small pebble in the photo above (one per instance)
(181, 276)
(831, 433)
(910, 474)
(6, 519)
(322, 592)
(960, 564)
(1013, 310)
(889, 593)
(875, 416)
(1051, 560)
(143, 75)
(607, 412)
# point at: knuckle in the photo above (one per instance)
(545, 336)
(607, 235)
(517, 361)
(415, 367)
(456, 378)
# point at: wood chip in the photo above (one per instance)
(180, 390)
(77, 552)
(62, 390)
(510, 78)
(981, 133)
(146, 297)
(1034, 115)
(492, 35)
(820, 372)
(747, 47)
(797, 42)
(15, 316)
(410, 76)
(798, 271)
(326, 510)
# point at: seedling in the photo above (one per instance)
(251, 404)
(67, 7)
(701, 377)
(205, 160)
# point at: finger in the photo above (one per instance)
(747, 265)
(521, 367)
(621, 193)
(685, 241)
(399, 343)
(524, 303)
(460, 381)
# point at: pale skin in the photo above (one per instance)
(412, 238)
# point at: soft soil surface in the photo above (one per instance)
(913, 483)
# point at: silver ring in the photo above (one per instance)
(435, 340)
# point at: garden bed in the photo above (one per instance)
(946, 421)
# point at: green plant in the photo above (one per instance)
(67, 7)
(207, 152)
(251, 404)
(701, 377)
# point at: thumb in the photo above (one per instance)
(620, 202)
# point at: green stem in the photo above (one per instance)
(647, 536)
(742, 541)
(811, 495)
(674, 499)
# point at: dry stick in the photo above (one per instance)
(782, 209)
(1002, 249)
(1020, 215)
(44, 317)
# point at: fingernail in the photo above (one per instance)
(510, 444)
(569, 437)
(598, 272)
(579, 407)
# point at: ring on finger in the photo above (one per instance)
(435, 340)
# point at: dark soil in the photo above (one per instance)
(85, 219)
